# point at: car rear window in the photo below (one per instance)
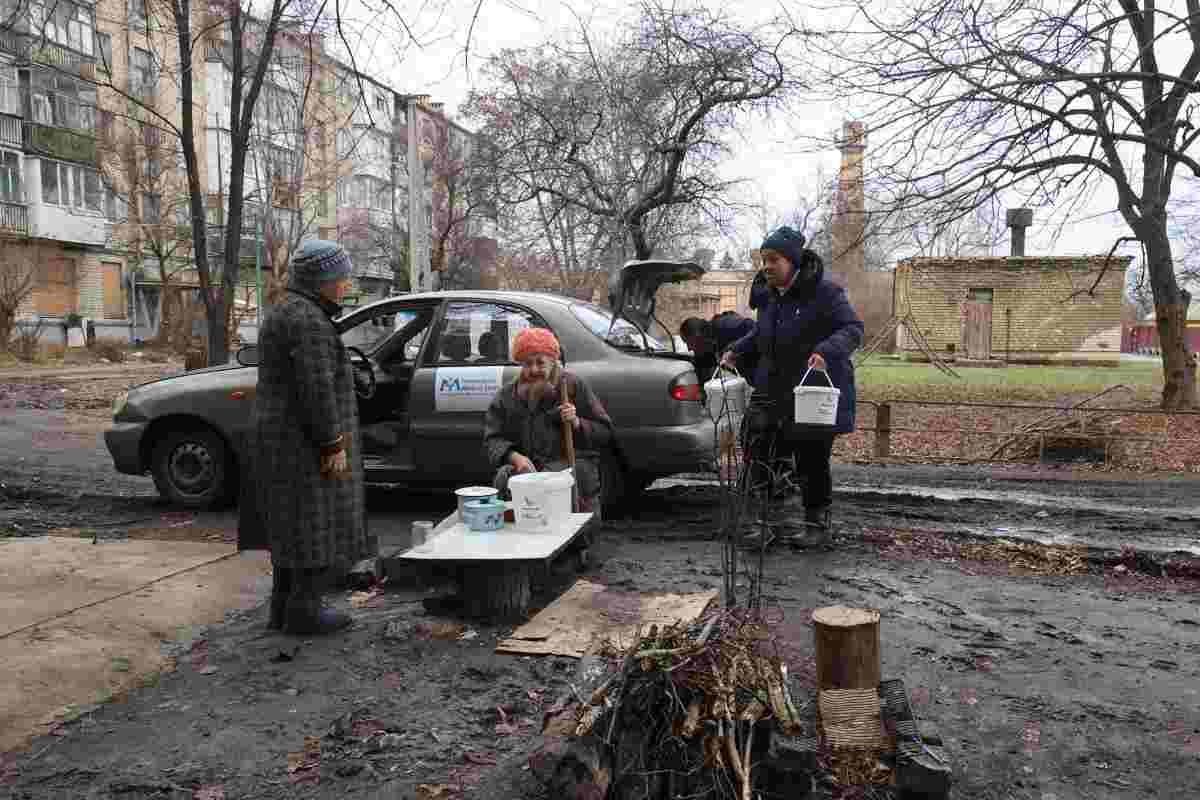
(622, 333)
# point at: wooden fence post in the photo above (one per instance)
(883, 430)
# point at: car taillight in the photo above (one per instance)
(686, 387)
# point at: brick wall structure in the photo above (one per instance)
(1041, 310)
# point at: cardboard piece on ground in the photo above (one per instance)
(589, 611)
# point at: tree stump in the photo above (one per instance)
(847, 648)
(496, 591)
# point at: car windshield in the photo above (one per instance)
(622, 333)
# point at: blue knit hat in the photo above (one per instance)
(788, 241)
(318, 261)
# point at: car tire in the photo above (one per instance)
(191, 468)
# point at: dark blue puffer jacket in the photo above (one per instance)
(815, 317)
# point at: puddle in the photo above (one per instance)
(1051, 501)
(1062, 537)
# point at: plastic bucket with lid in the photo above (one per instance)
(468, 493)
(726, 394)
(816, 405)
(541, 499)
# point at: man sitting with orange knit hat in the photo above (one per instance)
(523, 430)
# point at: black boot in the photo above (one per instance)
(305, 616)
(281, 587)
(816, 520)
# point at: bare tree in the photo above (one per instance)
(619, 143)
(17, 282)
(141, 166)
(973, 103)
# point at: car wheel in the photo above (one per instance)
(191, 468)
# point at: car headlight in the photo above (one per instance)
(119, 403)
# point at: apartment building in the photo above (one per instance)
(93, 184)
(52, 200)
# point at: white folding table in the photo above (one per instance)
(495, 567)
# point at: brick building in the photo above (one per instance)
(1141, 336)
(1018, 309)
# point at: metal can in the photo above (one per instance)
(422, 531)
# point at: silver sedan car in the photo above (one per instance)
(435, 361)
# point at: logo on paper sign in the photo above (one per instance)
(467, 388)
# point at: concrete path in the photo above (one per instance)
(83, 622)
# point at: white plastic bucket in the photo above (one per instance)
(726, 394)
(816, 405)
(541, 499)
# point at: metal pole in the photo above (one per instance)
(258, 275)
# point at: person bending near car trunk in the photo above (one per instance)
(523, 429)
(807, 324)
(307, 495)
(709, 339)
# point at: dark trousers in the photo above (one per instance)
(771, 441)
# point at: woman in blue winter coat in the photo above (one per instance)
(807, 323)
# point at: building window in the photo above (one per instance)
(10, 95)
(141, 74)
(151, 208)
(93, 191)
(137, 13)
(10, 177)
(50, 189)
(64, 23)
(104, 50)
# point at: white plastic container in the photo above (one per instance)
(727, 393)
(816, 405)
(468, 493)
(540, 499)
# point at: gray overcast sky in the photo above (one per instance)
(769, 155)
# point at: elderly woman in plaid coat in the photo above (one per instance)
(307, 471)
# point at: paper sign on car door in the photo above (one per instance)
(466, 388)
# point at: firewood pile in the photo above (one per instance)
(707, 709)
(689, 710)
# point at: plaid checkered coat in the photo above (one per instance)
(305, 401)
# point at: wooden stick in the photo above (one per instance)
(568, 435)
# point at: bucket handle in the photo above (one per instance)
(722, 367)
(823, 372)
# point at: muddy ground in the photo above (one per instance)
(1045, 685)
(1054, 672)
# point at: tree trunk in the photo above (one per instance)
(500, 591)
(1171, 303)
(847, 648)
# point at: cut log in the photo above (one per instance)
(500, 592)
(846, 647)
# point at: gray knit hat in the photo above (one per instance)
(318, 261)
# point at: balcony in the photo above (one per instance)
(14, 219)
(10, 131)
(33, 50)
(375, 271)
(63, 143)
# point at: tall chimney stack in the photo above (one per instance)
(849, 222)
(1018, 219)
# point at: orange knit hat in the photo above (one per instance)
(535, 340)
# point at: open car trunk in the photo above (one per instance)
(633, 291)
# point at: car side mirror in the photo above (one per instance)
(248, 356)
